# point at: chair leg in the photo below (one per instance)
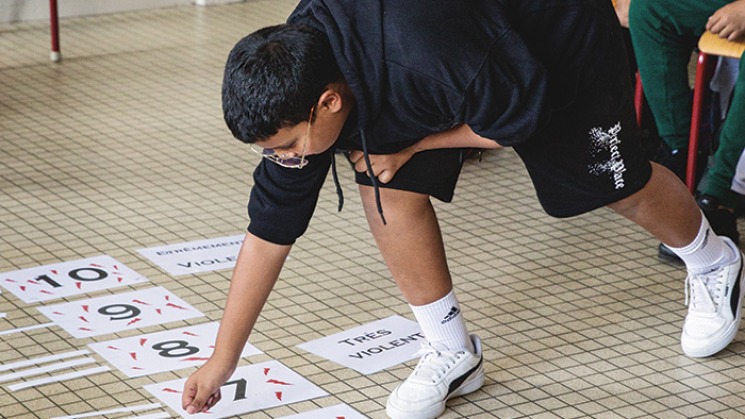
(54, 55)
(704, 72)
(638, 99)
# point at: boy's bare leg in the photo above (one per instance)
(410, 242)
(714, 286)
(664, 207)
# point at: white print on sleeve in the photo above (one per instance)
(607, 142)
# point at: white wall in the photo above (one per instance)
(28, 10)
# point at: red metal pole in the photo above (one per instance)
(704, 71)
(639, 99)
(55, 55)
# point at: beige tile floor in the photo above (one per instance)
(122, 146)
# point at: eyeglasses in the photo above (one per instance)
(284, 160)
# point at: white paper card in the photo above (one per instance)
(339, 411)
(114, 313)
(372, 347)
(196, 256)
(43, 283)
(168, 350)
(249, 389)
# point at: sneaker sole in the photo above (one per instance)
(469, 386)
(727, 338)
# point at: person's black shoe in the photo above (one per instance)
(667, 255)
(675, 160)
(722, 220)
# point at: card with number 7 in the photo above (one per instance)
(249, 389)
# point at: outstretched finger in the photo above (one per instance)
(198, 401)
(187, 397)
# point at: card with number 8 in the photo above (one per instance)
(168, 350)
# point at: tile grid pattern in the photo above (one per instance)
(122, 146)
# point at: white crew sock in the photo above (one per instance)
(706, 250)
(442, 323)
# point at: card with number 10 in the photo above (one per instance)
(49, 282)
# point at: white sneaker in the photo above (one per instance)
(714, 299)
(439, 376)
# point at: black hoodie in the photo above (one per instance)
(419, 67)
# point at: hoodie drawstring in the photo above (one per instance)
(339, 193)
(372, 177)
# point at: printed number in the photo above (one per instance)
(98, 274)
(124, 311)
(175, 349)
(48, 280)
(240, 388)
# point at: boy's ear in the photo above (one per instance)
(331, 99)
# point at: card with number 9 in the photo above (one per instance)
(114, 313)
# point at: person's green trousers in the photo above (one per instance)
(664, 34)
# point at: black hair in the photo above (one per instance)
(273, 77)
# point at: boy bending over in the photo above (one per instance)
(405, 85)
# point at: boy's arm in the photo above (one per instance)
(461, 136)
(256, 271)
(385, 166)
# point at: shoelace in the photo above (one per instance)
(435, 362)
(704, 290)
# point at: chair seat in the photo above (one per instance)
(713, 45)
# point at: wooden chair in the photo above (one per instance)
(710, 46)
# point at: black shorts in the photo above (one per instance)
(432, 172)
(590, 155)
(587, 156)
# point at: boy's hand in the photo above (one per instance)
(202, 389)
(384, 166)
(729, 21)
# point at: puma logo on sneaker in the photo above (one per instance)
(439, 376)
(714, 299)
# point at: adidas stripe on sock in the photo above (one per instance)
(706, 250)
(442, 323)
